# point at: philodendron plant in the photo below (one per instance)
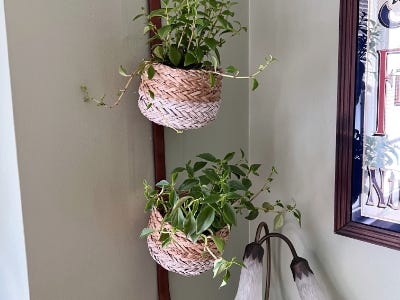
(191, 35)
(211, 194)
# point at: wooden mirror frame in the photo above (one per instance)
(344, 225)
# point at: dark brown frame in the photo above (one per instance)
(344, 136)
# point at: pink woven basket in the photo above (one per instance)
(181, 256)
(183, 99)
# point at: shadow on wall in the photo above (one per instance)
(300, 241)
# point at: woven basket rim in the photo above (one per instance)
(201, 70)
(181, 256)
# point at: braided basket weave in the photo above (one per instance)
(181, 256)
(183, 99)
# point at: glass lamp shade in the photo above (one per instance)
(304, 278)
(250, 284)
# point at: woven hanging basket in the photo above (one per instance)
(183, 99)
(181, 256)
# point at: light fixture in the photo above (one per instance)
(250, 284)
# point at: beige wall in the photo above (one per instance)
(81, 167)
(292, 125)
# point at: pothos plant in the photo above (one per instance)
(212, 193)
(191, 35)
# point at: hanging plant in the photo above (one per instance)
(190, 221)
(181, 82)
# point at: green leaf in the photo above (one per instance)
(164, 31)
(199, 165)
(210, 42)
(204, 180)
(267, 206)
(212, 80)
(181, 218)
(174, 56)
(180, 202)
(173, 198)
(165, 239)
(219, 242)
(157, 13)
(151, 94)
(194, 237)
(190, 59)
(166, 242)
(249, 205)
(229, 214)
(214, 61)
(190, 224)
(236, 170)
(189, 169)
(238, 262)
(137, 17)
(255, 84)
(226, 278)
(233, 196)
(149, 205)
(246, 183)
(279, 221)
(162, 183)
(199, 54)
(228, 13)
(245, 166)
(151, 72)
(297, 215)
(232, 70)
(219, 266)
(223, 22)
(84, 88)
(158, 52)
(188, 184)
(252, 215)
(242, 153)
(178, 170)
(123, 72)
(236, 185)
(174, 176)
(205, 219)
(254, 168)
(212, 198)
(146, 231)
(229, 156)
(146, 29)
(211, 174)
(208, 157)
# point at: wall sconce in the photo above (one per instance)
(250, 284)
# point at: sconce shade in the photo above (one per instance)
(250, 284)
(300, 268)
(304, 278)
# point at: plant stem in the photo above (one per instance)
(255, 74)
(193, 29)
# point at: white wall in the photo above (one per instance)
(229, 132)
(292, 125)
(81, 167)
(13, 271)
